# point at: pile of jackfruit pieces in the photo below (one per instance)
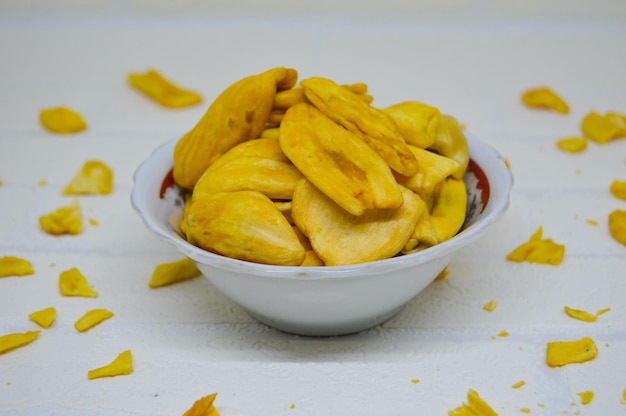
(312, 174)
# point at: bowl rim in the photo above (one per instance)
(480, 152)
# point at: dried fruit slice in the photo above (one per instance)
(244, 225)
(560, 353)
(337, 162)
(432, 170)
(371, 125)
(63, 220)
(270, 173)
(572, 144)
(62, 120)
(73, 283)
(418, 122)
(15, 266)
(238, 114)
(451, 142)
(162, 90)
(95, 177)
(203, 407)
(617, 225)
(580, 314)
(92, 318)
(12, 341)
(424, 234)
(120, 366)
(585, 396)
(44, 317)
(538, 250)
(604, 128)
(544, 98)
(618, 189)
(475, 406)
(449, 208)
(340, 238)
(174, 272)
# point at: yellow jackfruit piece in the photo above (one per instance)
(64, 220)
(545, 98)
(244, 225)
(580, 314)
(44, 317)
(163, 91)
(92, 318)
(560, 353)
(451, 142)
(431, 171)
(475, 406)
(418, 122)
(73, 283)
(572, 144)
(264, 170)
(337, 162)
(12, 341)
(174, 272)
(340, 238)
(449, 209)
(617, 225)
(62, 120)
(120, 366)
(95, 177)
(371, 125)
(604, 128)
(15, 266)
(203, 407)
(238, 114)
(538, 250)
(618, 189)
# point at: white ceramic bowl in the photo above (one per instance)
(323, 300)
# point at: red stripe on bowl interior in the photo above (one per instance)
(483, 182)
(168, 181)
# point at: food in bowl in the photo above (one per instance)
(339, 182)
(318, 299)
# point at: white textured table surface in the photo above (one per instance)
(188, 340)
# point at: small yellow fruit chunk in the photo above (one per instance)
(618, 189)
(63, 220)
(15, 266)
(617, 225)
(122, 365)
(586, 397)
(544, 98)
(161, 90)
(580, 315)
(44, 318)
(11, 341)
(169, 273)
(572, 144)
(604, 128)
(73, 283)
(442, 274)
(203, 407)
(490, 306)
(93, 178)
(560, 353)
(476, 406)
(62, 120)
(519, 384)
(92, 318)
(538, 250)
